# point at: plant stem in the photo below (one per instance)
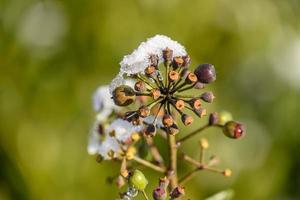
(173, 161)
(180, 141)
(148, 164)
(145, 195)
(154, 152)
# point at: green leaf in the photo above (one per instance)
(223, 195)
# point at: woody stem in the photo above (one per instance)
(173, 161)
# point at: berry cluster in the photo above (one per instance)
(149, 96)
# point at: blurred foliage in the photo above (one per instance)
(53, 55)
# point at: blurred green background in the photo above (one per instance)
(54, 54)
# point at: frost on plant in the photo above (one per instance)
(156, 94)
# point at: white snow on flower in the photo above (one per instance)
(122, 129)
(110, 143)
(102, 103)
(150, 119)
(138, 60)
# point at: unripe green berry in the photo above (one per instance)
(138, 180)
(224, 117)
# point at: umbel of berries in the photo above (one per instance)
(163, 88)
(157, 92)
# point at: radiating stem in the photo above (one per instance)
(148, 164)
(154, 152)
(186, 88)
(180, 141)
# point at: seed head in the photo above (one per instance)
(195, 103)
(139, 86)
(155, 93)
(167, 55)
(177, 62)
(173, 76)
(150, 70)
(187, 119)
(201, 112)
(191, 78)
(177, 192)
(150, 130)
(167, 120)
(180, 104)
(144, 111)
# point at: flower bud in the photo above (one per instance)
(213, 118)
(177, 192)
(153, 60)
(135, 137)
(123, 95)
(167, 55)
(233, 129)
(139, 86)
(205, 73)
(224, 117)
(173, 76)
(186, 61)
(199, 86)
(167, 120)
(150, 130)
(173, 130)
(120, 181)
(138, 180)
(163, 182)
(150, 70)
(227, 172)
(208, 97)
(187, 119)
(191, 78)
(159, 193)
(130, 153)
(201, 112)
(177, 62)
(204, 143)
(144, 111)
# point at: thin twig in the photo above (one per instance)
(148, 164)
(180, 141)
(154, 152)
(145, 195)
